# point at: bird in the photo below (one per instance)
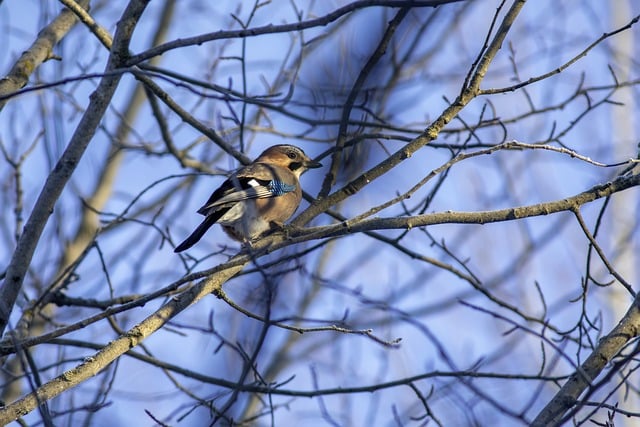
(256, 198)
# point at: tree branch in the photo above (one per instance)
(430, 133)
(627, 329)
(39, 52)
(103, 358)
(285, 28)
(59, 176)
(450, 217)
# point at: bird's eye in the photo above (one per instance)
(292, 155)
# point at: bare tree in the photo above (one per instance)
(467, 255)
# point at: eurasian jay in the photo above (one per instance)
(257, 198)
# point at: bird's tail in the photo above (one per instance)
(197, 234)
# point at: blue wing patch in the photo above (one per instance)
(278, 188)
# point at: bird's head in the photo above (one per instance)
(288, 156)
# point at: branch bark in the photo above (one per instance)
(39, 52)
(627, 329)
(94, 364)
(59, 176)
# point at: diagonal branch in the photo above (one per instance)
(60, 175)
(103, 358)
(449, 217)
(430, 133)
(39, 52)
(608, 347)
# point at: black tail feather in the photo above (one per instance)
(197, 234)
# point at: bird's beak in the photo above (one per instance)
(312, 164)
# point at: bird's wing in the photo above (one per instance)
(256, 181)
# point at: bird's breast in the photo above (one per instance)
(243, 221)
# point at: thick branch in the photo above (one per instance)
(59, 176)
(39, 52)
(93, 365)
(608, 347)
(450, 217)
